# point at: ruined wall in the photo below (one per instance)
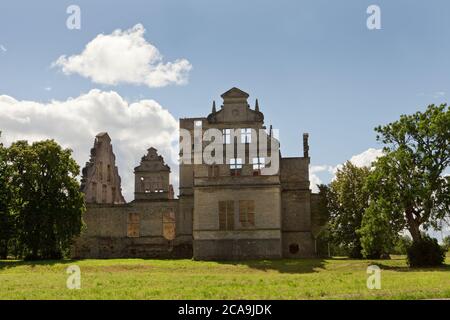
(296, 208)
(261, 240)
(100, 180)
(133, 230)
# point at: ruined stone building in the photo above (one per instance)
(226, 209)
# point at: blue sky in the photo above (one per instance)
(313, 65)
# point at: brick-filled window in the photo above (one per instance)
(104, 193)
(213, 170)
(133, 225)
(226, 215)
(94, 192)
(247, 213)
(168, 223)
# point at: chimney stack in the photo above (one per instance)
(305, 145)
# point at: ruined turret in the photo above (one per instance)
(100, 180)
(152, 178)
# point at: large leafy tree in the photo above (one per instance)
(50, 201)
(410, 178)
(7, 201)
(347, 201)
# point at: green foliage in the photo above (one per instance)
(446, 243)
(347, 202)
(50, 203)
(320, 214)
(410, 177)
(376, 233)
(401, 245)
(7, 213)
(425, 253)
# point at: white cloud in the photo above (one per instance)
(366, 158)
(125, 57)
(438, 94)
(363, 159)
(133, 127)
(2, 48)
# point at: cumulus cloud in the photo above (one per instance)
(363, 159)
(125, 57)
(133, 127)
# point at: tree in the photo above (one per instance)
(7, 199)
(401, 244)
(410, 176)
(446, 243)
(50, 201)
(348, 199)
(377, 235)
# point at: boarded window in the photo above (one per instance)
(168, 220)
(247, 213)
(226, 215)
(133, 225)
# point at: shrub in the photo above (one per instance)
(425, 253)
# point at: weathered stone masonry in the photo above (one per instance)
(223, 211)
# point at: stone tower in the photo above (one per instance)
(100, 180)
(151, 178)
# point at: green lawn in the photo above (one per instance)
(187, 279)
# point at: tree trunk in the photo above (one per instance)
(413, 226)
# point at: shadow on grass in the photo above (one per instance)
(6, 264)
(281, 265)
(445, 267)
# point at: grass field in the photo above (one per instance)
(187, 279)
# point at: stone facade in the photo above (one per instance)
(100, 180)
(226, 209)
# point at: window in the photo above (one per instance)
(100, 171)
(258, 164)
(94, 192)
(236, 163)
(246, 135)
(226, 135)
(226, 215)
(104, 193)
(108, 178)
(213, 171)
(133, 225)
(235, 166)
(247, 213)
(168, 221)
(113, 194)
